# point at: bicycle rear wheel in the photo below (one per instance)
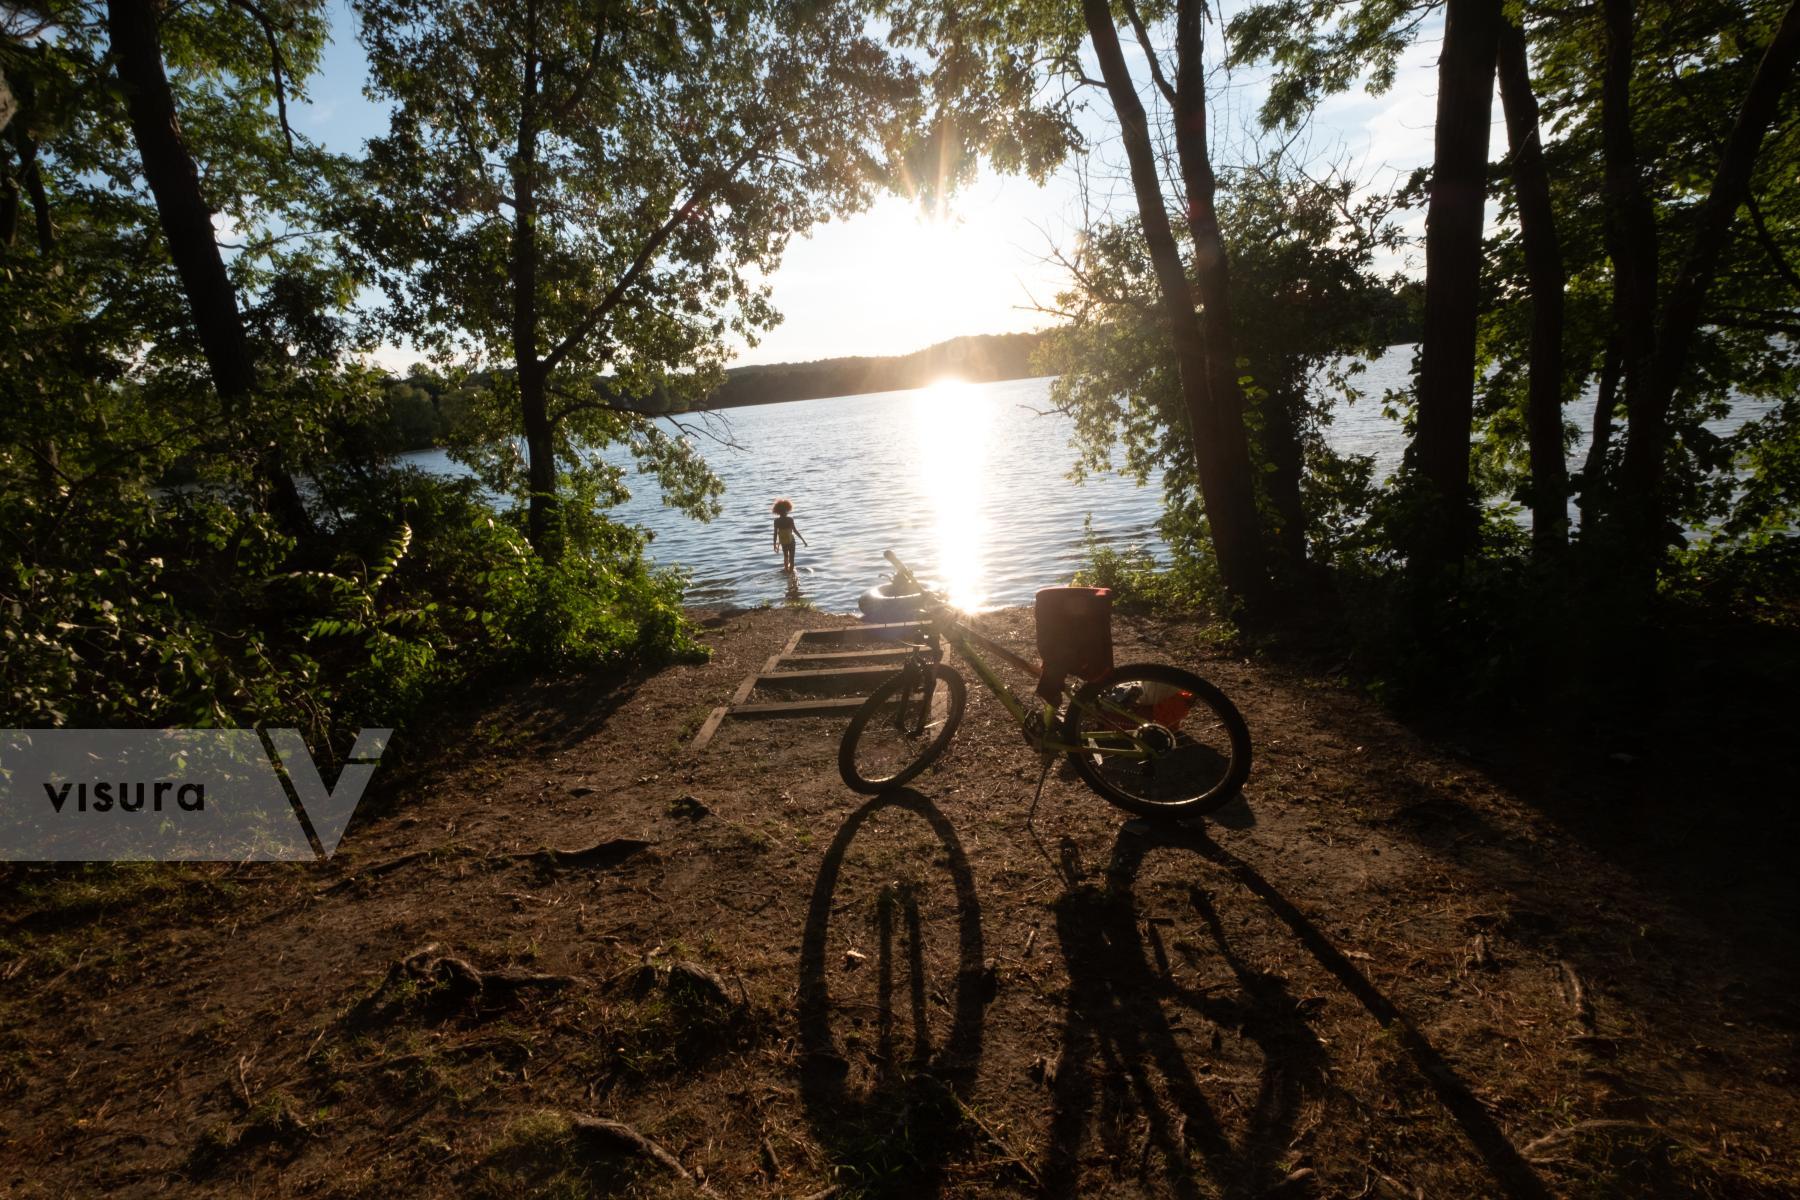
(902, 728)
(1158, 741)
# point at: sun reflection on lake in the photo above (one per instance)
(951, 426)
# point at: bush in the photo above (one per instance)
(182, 609)
(456, 591)
(1189, 583)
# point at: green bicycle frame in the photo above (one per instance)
(946, 627)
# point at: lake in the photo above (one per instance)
(968, 483)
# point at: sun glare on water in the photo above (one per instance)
(950, 423)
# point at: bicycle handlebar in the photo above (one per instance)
(899, 567)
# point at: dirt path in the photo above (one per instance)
(1382, 974)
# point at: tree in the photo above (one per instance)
(1648, 396)
(589, 196)
(1657, 126)
(1208, 372)
(1546, 281)
(1453, 229)
(1303, 298)
(136, 50)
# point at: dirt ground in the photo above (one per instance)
(1409, 963)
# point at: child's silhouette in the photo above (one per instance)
(785, 532)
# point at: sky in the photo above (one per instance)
(892, 279)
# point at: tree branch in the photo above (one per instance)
(1143, 37)
(647, 254)
(1782, 266)
(579, 92)
(1732, 320)
(577, 404)
(276, 63)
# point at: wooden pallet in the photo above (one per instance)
(835, 690)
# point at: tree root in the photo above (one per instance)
(1577, 995)
(1553, 1145)
(449, 982)
(599, 856)
(615, 1139)
(1300, 1183)
(382, 868)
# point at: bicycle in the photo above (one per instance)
(1155, 740)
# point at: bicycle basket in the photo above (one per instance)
(1074, 635)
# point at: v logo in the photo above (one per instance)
(327, 810)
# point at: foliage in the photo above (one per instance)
(594, 197)
(454, 593)
(1188, 582)
(429, 587)
(142, 580)
(1688, 81)
(1304, 301)
(1690, 71)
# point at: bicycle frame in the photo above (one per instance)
(945, 626)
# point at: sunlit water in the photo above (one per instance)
(968, 483)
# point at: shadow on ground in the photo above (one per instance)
(886, 1093)
(1128, 1044)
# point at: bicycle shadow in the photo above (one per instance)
(885, 1098)
(1128, 1047)
(1119, 1014)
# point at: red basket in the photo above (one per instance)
(1074, 635)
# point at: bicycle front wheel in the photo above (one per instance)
(902, 728)
(1158, 741)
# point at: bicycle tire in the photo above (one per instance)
(1187, 754)
(924, 720)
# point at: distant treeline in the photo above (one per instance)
(421, 410)
(980, 359)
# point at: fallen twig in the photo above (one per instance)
(79, 963)
(244, 1084)
(994, 1137)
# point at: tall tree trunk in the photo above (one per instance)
(33, 178)
(1594, 482)
(1544, 272)
(531, 378)
(9, 202)
(1212, 277)
(1280, 440)
(1629, 227)
(30, 177)
(1648, 401)
(8, 105)
(133, 27)
(1453, 225)
(1221, 446)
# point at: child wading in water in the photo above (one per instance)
(785, 533)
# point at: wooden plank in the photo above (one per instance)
(711, 727)
(853, 632)
(792, 642)
(836, 679)
(895, 654)
(872, 672)
(826, 706)
(744, 689)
